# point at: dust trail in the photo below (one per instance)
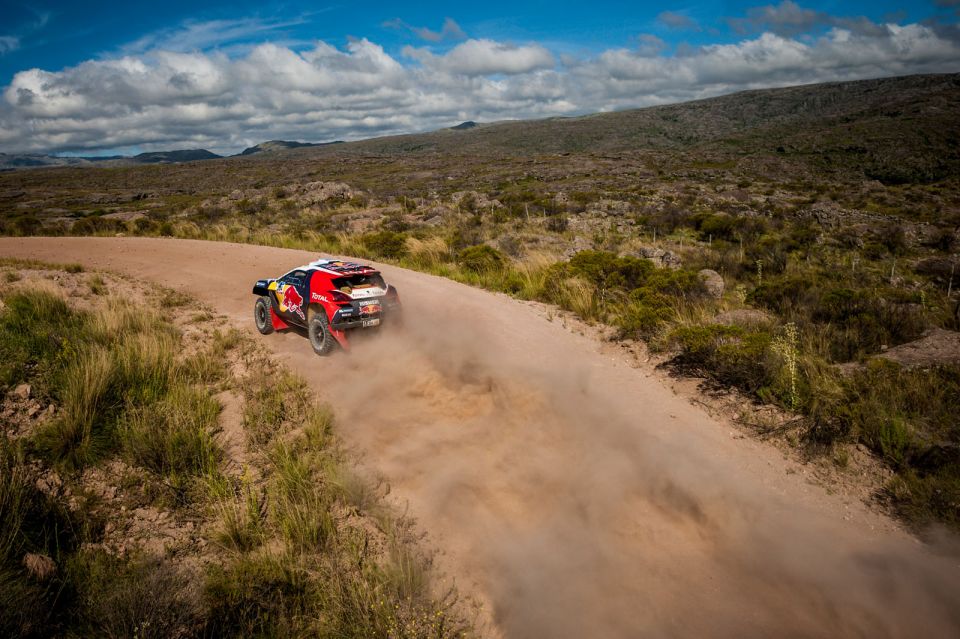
(579, 520)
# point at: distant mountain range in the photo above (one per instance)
(282, 145)
(9, 162)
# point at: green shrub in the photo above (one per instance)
(729, 355)
(607, 270)
(95, 224)
(908, 418)
(385, 244)
(481, 259)
(22, 225)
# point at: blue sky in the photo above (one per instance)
(104, 76)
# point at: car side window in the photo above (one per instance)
(296, 276)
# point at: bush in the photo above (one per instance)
(729, 355)
(481, 259)
(908, 418)
(385, 244)
(22, 225)
(96, 224)
(606, 270)
(653, 305)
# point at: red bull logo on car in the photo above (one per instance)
(290, 300)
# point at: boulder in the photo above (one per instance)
(713, 282)
(660, 257)
(937, 346)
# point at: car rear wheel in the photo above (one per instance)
(321, 339)
(261, 316)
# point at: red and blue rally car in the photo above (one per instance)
(327, 298)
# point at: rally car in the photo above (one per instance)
(328, 298)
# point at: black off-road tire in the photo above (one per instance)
(321, 339)
(261, 316)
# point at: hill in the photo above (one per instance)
(895, 129)
(186, 155)
(281, 145)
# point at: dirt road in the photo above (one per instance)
(575, 495)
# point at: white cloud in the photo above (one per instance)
(450, 30)
(200, 35)
(485, 57)
(176, 99)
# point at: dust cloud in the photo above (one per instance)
(576, 515)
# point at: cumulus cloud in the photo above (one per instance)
(176, 99)
(484, 57)
(450, 30)
(649, 44)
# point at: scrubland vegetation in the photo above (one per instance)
(126, 510)
(782, 243)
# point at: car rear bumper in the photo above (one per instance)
(359, 321)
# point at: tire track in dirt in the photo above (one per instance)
(572, 494)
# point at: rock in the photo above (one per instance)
(941, 270)
(660, 257)
(937, 346)
(22, 391)
(743, 317)
(40, 566)
(316, 192)
(713, 282)
(579, 244)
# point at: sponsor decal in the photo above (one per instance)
(370, 309)
(317, 297)
(290, 300)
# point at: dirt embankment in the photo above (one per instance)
(572, 493)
